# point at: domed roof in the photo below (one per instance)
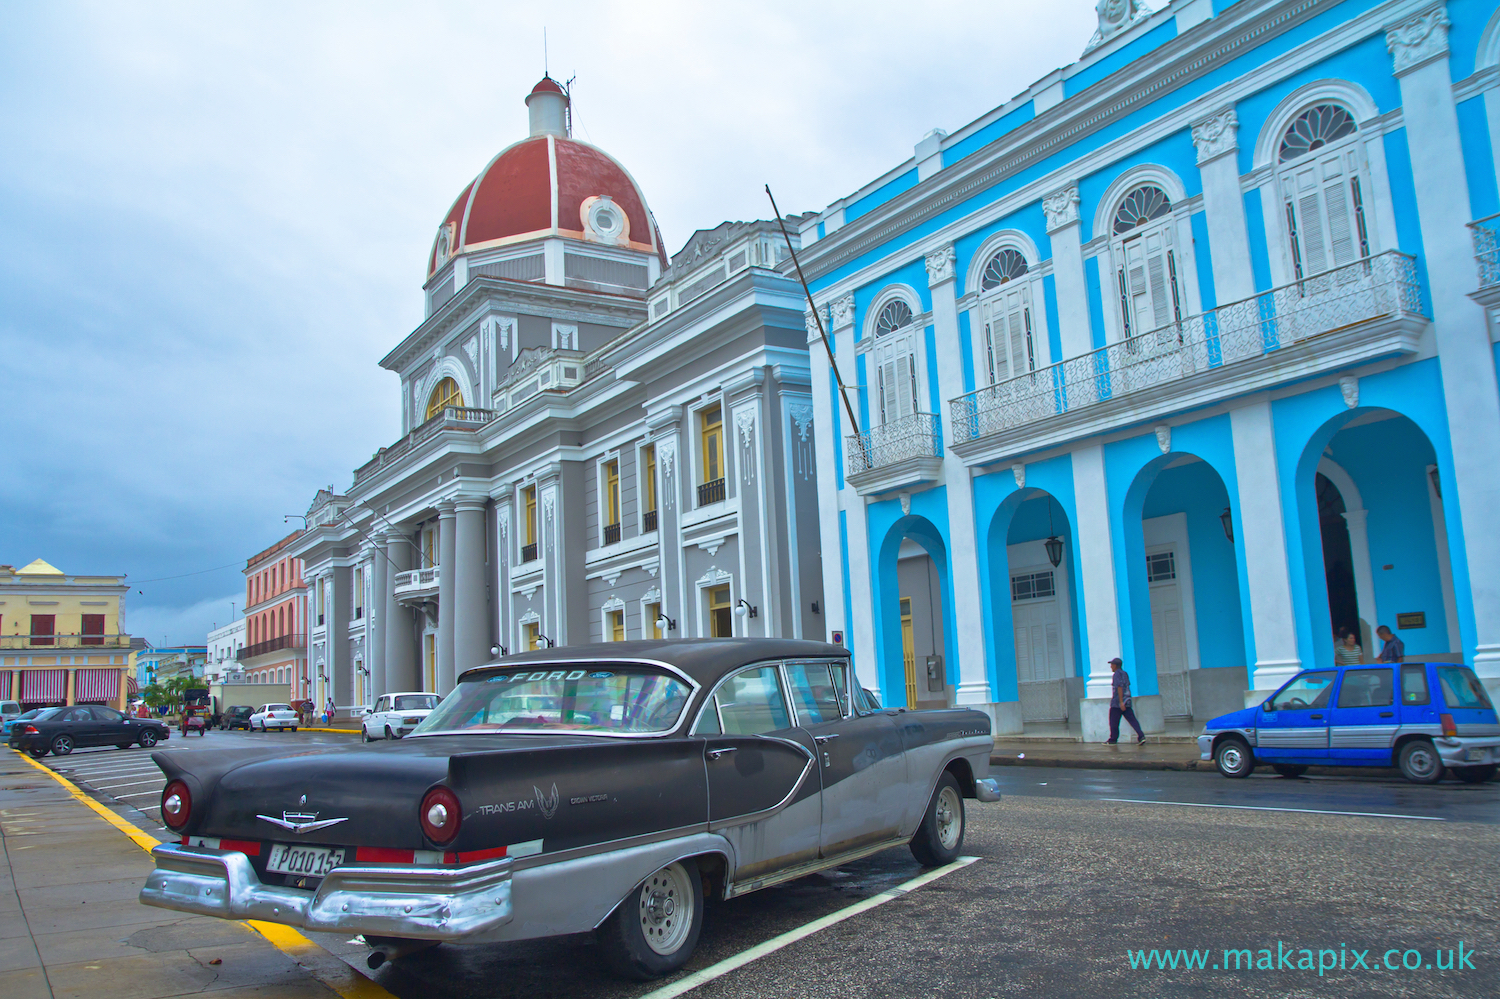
(549, 184)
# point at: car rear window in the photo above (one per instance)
(1461, 688)
(278, 707)
(416, 702)
(604, 698)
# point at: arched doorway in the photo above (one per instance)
(914, 611)
(1338, 561)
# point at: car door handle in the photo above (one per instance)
(1387, 714)
(1316, 717)
(820, 739)
(714, 754)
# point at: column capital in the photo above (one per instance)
(467, 502)
(940, 265)
(1418, 40)
(663, 420)
(1216, 135)
(814, 331)
(1061, 208)
(445, 508)
(843, 312)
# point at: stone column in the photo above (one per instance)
(447, 598)
(760, 562)
(1419, 48)
(968, 668)
(400, 666)
(1216, 138)
(825, 403)
(375, 617)
(1096, 575)
(1061, 208)
(1261, 533)
(862, 611)
(662, 430)
(471, 631)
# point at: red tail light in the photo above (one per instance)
(176, 805)
(440, 816)
(1449, 728)
(29, 730)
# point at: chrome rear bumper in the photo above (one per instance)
(1462, 751)
(427, 903)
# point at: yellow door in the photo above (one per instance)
(908, 653)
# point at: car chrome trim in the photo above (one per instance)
(807, 768)
(427, 903)
(301, 827)
(987, 789)
(737, 888)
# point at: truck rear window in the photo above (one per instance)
(1461, 688)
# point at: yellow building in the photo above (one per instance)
(61, 637)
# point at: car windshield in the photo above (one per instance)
(416, 702)
(1461, 688)
(607, 698)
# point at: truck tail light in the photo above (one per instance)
(1449, 728)
(440, 816)
(176, 805)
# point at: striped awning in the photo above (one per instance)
(44, 686)
(97, 685)
(132, 686)
(7, 676)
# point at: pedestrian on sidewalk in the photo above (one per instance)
(1347, 652)
(328, 713)
(1393, 650)
(1120, 705)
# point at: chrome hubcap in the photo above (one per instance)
(950, 817)
(666, 909)
(1232, 760)
(1421, 762)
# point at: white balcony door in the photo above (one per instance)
(1149, 293)
(1010, 350)
(896, 376)
(1038, 627)
(1322, 196)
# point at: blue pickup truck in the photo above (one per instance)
(1426, 718)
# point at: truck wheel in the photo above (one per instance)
(941, 834)
(1420, 762)
(1233, 758)
(653, 932)
(1476, 775)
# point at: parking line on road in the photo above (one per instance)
(134, 783)
(774, 944)
(1272, 808)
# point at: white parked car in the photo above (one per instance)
(269, 716)
(394, 715)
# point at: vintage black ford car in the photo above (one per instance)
(606, 787)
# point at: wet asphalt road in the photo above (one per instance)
(1071, 880)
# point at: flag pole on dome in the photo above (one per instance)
(817, 315)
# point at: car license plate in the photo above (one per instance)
(309, 861)
(1475, 755)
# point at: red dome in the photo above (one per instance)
(547, 185)
(547, 85)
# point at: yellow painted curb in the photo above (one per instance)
(330, 970)
(347, 731)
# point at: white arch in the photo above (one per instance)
(1489, 44)
(1145, 173)
(1359, 547)
(1011, 239)
(890, 293)
(451, 367)
(1351, 95)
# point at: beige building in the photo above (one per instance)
(62, 638)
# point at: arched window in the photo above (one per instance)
(446, 394)
(1150, 295)
(1319, 171)
(1005, 305)
(895, 362)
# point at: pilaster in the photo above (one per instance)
(1216, 139)
(471, 632)
(1096, 569)
(447, 578)
(1063, 227)
(400, 665)
(829, 455)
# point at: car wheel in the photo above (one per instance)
(364, 735)
(123, 745)
(37, 752)
(654, 931)
(148, 738)
(1476, 775)
(62, 745)
(294, 728)
(941, 834)
(1233, 757)
(388, 733)
(1289, 769)
(1420, 763)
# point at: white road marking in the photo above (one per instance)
(106, 774)
(136, 783)
(1270, 808)
(760, 950)
(138, 794)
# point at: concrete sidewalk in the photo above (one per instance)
(1097, 755)
(70, 925)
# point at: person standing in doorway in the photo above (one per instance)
(1120, 704)
(1347, 652)
(1392, 649)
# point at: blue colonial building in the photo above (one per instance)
(1182, 355)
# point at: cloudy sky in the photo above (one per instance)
(213, 219)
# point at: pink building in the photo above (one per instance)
(275, 652)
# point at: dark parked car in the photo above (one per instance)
(61, 730)
(238, 717)
(607, 788)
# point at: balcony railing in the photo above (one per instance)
(1486, 232)
(711, 492)
(270, 645)
(648, 521)
(451, 418)
(919, 435)
(528, 552)
(416, 582)
(611, 534)
(1383, 286)
(64, 641)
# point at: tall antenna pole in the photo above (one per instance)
(817, 315)
(546, 66)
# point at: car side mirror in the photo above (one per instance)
(1267, 707)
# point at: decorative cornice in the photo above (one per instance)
(940, 265)
(1418, 40)
(1216, 135)
(1061, 208)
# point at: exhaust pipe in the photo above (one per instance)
(383, 949)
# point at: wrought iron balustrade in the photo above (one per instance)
(611, 534)
(919, 435)
(1377, 287)
(270, 645)
(648, 521)
(528, 552)
(711, 492)
(1486, 233)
